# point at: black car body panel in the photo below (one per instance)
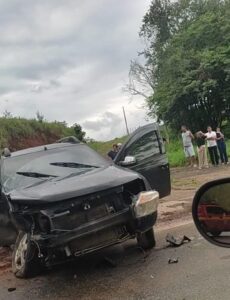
(55, 190)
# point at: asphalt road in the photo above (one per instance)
(202, 272)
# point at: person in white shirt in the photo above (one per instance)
(212, 146)
(189, 152)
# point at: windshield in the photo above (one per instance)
(48, 165)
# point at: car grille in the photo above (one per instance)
(81, 211)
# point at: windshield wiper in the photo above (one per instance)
(35, 174)
(72, 165)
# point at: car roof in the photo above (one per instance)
(42, 148)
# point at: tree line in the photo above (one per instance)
(185, 77)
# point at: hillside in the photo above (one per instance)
(19, 133)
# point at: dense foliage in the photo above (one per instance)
(188, 61)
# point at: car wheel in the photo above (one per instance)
(146, 240)
(25, 260)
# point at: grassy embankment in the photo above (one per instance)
(19, 133)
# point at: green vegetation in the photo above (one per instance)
(104, 147)
(20, 133)
(187, 63)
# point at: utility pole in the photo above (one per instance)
(126, 124)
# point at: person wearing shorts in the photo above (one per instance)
(189, 152)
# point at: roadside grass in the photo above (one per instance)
(104, 147)
(175, 153)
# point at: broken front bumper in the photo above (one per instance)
(127, 218)
(111, 228)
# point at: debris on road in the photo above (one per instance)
(11, 289)
(173, 261)
(176, 242)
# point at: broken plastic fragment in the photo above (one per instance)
(173, 261)
(176, 242)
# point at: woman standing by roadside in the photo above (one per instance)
(221, 146)
(201, 150)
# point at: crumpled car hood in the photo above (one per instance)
(57, 190)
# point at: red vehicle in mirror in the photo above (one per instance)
(214, 218)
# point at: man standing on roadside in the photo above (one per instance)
(212, 146)
(187, 138)
(113, 153)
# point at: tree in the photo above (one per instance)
(40, 116)
(188, 54)
(194, 74)
(78, 132)
(7, 114)
(140, 80)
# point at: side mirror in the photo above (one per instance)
(211, 211)
(128, 161)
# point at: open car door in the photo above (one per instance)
(144, 152)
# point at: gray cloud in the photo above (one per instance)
(69, 59)
(108, 119)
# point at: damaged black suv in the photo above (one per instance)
(64, 200)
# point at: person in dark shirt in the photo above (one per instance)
(221, 146)
(201, 150)
(113, 153)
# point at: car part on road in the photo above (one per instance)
(176, 242)
(173, 260)
(146, 240)
(211, 211)
(11, 289)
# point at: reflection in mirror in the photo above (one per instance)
(213, 212)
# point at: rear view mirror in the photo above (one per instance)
(128, 161)
(211, 211)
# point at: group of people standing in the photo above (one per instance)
(215, 143)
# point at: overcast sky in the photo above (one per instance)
(69, 59)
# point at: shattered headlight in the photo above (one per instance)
(146, 204)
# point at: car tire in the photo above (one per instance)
(146, 240)
(25, 260)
